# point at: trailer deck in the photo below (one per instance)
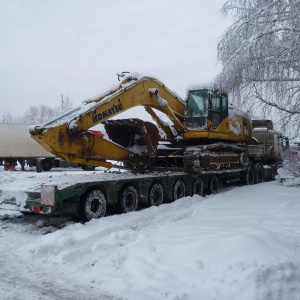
(64, 192)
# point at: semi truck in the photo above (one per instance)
(205, 144)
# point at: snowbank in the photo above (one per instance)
(240, 244)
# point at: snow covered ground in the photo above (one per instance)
(243, 243)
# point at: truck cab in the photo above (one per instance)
(268, 145)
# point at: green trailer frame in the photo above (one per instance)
(68, 200)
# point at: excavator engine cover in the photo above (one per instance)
(133, 133)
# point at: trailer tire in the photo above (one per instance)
(39, 165)
(259, 173)
(93, 206)
(87, 167)
(129, 199)
(214, 185)
(198, 187)
(47, 164)
(156, 195)
(178, 190)
(250, 175)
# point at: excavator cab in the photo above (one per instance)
(219, 108)
(196, 113)
(208, 117)
(205, 105)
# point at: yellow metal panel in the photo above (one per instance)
(57, 141)
(137, 94)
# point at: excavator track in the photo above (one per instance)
(209, 157)
(218, 156)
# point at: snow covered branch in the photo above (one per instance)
(257, 94)
(262, 49)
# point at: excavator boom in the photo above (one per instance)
(70, 138)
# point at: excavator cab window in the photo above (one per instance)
(197, 109)
(219, 108)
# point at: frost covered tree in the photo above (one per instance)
(66, 104)
(40, 114)
(260, 54)
(7, 117)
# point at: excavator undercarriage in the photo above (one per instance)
(143, 139)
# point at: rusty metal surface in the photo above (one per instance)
(133, 132)
(219, 156)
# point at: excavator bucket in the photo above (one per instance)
(134, 134)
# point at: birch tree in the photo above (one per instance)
(260, 54)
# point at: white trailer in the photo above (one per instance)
(16, 145)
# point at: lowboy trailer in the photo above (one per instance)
(125, 192)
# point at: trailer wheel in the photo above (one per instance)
(214, 185)
(47, 164)
(156, 195)
(93, 206)
(259, 173)
(250, 175)
(88, 167)
(198, 187)
(178, 190)
(129, 199)
(39, 165)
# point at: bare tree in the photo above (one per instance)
(260, 54)
(38, 114)
(31, 115)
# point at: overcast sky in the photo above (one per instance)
(75, 47)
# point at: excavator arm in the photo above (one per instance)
(70, 137)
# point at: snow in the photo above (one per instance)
(236, 112)
(201, 86)
(162, 101)
(286, 178)
(243, 243)
(234, 126)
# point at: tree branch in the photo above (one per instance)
(258, 96)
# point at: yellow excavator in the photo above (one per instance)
(202, 132)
